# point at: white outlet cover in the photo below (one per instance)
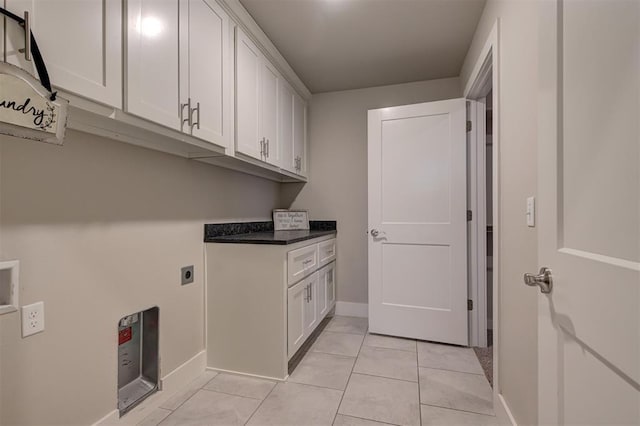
(32, 319)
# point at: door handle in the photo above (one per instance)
(375, 233)
(187, 120)
(197, 111)
(544, 280)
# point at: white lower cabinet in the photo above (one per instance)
(309, 301)
(326, 289)
(302, 312)
(268, 297)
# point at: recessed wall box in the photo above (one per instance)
(9, 271)
(137, 358)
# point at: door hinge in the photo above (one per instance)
(469, 126)
(469, 305)
(469, 215)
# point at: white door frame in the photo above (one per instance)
(476, 228)
(486, 73)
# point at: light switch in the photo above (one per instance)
(531, 212)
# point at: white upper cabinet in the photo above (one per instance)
(248, 69)
(152, 61)
(80, 42)
(286, 126)
(293, 130)
(299, 135)
(269, 113)
(206, 53)
(178, 66)
(257, 92)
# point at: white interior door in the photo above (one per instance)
(589, 213)
(417, 220)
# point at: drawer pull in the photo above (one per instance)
(306, 262)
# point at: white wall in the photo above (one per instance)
(101, 229)
(518, 79)
(337, 187)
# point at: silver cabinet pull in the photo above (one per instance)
(262, 148)
(544, 280)
(267, 148)
(197, 111)
(188, 119)
(27, 37)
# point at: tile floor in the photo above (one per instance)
(347, 378)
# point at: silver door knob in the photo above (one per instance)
(375, 232)
(544, 280)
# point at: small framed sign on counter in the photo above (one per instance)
(289, 220)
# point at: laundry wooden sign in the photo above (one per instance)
(27, 109)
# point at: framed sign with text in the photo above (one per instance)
(289, 220)
(26, 108)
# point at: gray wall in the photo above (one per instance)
(101, 229)
(518, 95)
(338, 168)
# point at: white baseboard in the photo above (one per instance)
(503, 413)
(169, 385)
(349, 309)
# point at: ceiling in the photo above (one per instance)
(350, 44)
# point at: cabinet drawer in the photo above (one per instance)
(301, 262)
(327, 251)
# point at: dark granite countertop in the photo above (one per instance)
(263, 233)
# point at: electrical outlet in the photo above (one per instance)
(186, 275)
(32, 319)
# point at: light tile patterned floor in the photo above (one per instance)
(348, 378)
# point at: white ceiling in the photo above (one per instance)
(350, 44)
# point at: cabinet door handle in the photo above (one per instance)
(197, 111)
(188, 119)
(268, 148)
(27, 37)
(262, 148)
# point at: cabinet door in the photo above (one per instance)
(311, 312)
(208, 68)
(286, 127)
(300, 134)
(152, 89)
(321, 301)
(296, 308)
(248, 70)
(80, 42)
(269, 111)
(330, 283)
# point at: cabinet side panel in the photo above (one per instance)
(246, 309)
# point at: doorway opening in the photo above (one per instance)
(485, 353)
